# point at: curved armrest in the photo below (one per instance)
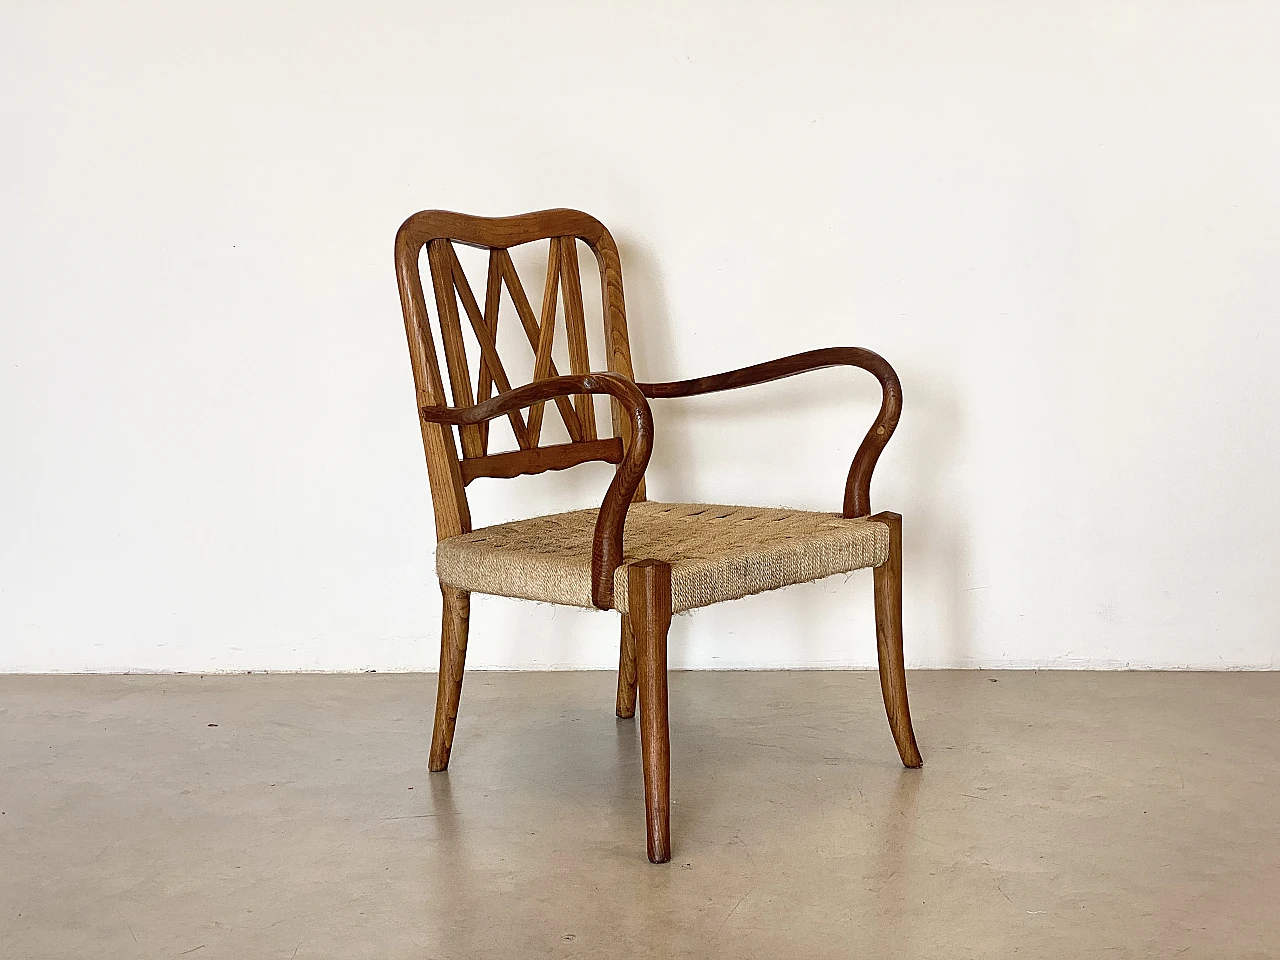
(606, 543)
(857, 490)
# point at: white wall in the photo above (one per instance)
(1059, 221)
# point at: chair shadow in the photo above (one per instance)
(653, 355)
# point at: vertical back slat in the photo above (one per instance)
(530, 324)
(576, 330)
(440, 254)
(492, 301)
(546, 335)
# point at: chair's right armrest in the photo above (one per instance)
(606, 543)
(857, 489)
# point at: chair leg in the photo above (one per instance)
(455, 618)
(893, 677)
(626, 708)
(649, 596)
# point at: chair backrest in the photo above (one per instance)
(438, 231)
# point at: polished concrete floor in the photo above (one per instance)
(1057, 815)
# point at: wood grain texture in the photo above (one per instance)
(454, 626)
(649, 589)
(546, 335)
(893, 675)
(576, 331)
(559, 456)
(606, 543)
(857, 489)
(626, 705)
(617, 339)
(427, 225)
(449, 500)
(440, 255)
(492, 305)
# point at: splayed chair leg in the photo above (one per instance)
(649, 597)
(893, 677)
(627, 671)
(454, 621)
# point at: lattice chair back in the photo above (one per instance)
(458, 455)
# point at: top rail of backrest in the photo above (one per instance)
(499, 232)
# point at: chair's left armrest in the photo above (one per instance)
(857, 490)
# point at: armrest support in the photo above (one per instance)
(606, 544)
(857, 490)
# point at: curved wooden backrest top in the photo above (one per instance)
(438, 231)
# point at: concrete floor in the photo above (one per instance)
(1057, 815)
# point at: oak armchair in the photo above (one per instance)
(645, 560)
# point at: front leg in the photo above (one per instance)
(649, 597)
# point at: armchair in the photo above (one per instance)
(646, 560)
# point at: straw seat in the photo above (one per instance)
(716, 553)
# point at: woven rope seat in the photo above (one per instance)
(716, 552)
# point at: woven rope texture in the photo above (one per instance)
(716, 553)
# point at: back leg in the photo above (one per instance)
(627, 671)
(454, 620)
(893, 676)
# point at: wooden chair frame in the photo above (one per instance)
(642, 669)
